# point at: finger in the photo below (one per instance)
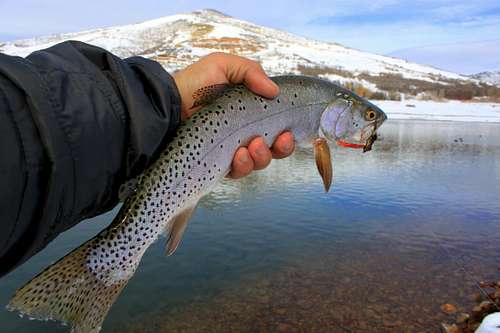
(260, 153)
(249, 72)
(242, 164)
(258, 82)
(283, 146)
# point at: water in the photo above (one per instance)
(405, 229)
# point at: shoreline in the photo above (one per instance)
(450, 111)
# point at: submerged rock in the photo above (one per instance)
(448, 308)
(451, 328)
(462, 318)
(284, 327)
(483, 317)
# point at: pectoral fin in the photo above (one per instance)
(323, 161)
(176, 229)
(208, 94)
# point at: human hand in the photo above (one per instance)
(217, 68)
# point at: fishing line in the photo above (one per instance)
(462, 268)
(469, 275)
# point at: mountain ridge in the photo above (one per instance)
(25, 46)
(492, 77)
(178, 40)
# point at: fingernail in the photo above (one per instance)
(243, 158)
(287, 147)
(274, 85)
(261, 151)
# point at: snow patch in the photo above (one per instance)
(490, 324)
(488, 77)
(279, 52)
(441, 111)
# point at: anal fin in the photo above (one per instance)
(176, 229)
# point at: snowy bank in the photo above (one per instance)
(447, 111)
(490, 324)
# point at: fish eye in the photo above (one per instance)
(370, 115)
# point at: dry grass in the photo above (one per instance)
(230, 44)
(393, 85)
(226, 44)
(201, 30)
(448, 89)
(174, 60)
(323, 70)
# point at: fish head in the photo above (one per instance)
(351, 121)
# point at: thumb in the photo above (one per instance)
(250, 73)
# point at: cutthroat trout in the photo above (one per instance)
(80, 288)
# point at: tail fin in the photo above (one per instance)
(68, 291)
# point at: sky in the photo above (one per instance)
(433, 32)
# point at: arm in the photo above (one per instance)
(75, 123)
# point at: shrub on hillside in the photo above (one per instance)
(396, 84)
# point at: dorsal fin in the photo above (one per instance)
(208, 94)
(176, 229)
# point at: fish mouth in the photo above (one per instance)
(364, 138)
(343, 143)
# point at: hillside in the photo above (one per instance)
(178, 40)
(488, 77)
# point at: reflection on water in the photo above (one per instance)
(272, 252)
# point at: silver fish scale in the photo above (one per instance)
(199, 155)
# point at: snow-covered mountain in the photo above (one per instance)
(488, 77)
(178, 40)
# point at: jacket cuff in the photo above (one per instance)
(160, 123)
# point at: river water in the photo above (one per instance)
(406, 228)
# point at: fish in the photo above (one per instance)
(79, 289)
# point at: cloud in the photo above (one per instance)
(436, 12)
(388, 26)
(380, 26)
(465, 58)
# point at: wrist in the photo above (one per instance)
(181, 84)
